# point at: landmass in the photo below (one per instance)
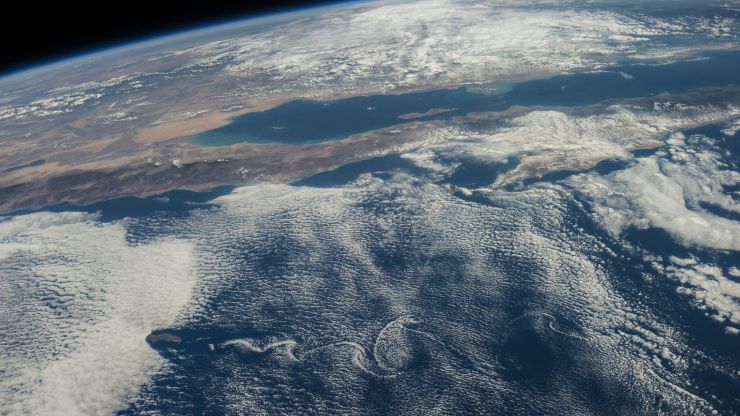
(163, 337)
(145, 160)
(431, 112)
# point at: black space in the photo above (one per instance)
(33, 32)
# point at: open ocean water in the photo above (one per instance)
(372, 289)
(375, 288)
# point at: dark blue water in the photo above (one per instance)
(469, 173)
(730, 144)
(440, 286)
(27, 165)
(472, 173)
(306, 121)
(602, 168)
(380, 167)
(526, 354)
(175, 203)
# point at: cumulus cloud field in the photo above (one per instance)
(403, 280)
(78, 301)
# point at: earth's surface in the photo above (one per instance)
(438, 207)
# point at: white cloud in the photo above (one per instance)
(710, 288)
(667, 194)
(732, 128)
(451, 41)
(315, 259)
(667, 191)
(78, 301)
(549, 141)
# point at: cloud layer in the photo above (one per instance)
(78, 301)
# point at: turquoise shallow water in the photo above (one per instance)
(307, 121)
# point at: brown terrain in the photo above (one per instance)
(115, 166)
(89, 161)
